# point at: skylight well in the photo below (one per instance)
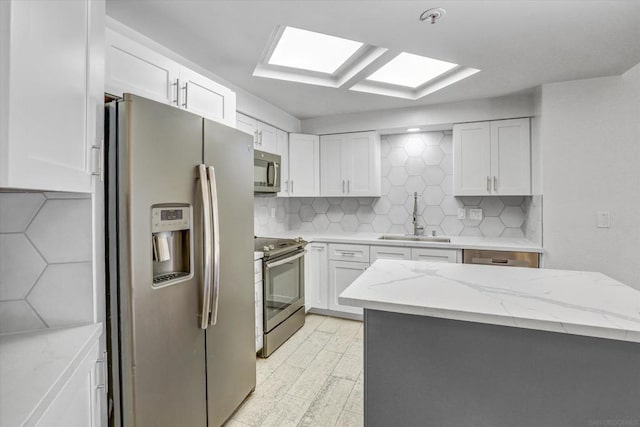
(410, 70)
(303, 56)
(311, 51)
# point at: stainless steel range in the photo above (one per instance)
(283, 290)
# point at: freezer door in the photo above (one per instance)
(231, 362)
(162, 354)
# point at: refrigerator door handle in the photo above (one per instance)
(216, 245)
(206, 219)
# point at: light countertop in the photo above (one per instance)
(35, 365)
(258, 255)
(457, 242)
(572, 302)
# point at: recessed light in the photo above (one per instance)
(413, 129)
(308, 50)
(410, 70)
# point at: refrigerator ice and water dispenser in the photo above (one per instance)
(171, 243)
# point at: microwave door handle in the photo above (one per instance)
(213, 188)
(275, 174)
(206, 219)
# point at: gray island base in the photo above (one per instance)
(429, 371)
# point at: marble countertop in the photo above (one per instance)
(258, 255)
(457, 242)
(572, 302)
(34, 366)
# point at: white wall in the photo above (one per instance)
(246, 102)
(590, 131)
(433, 116)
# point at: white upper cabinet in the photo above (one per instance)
(492, 158)
(304, 165)
(131, 67)
(267, 138)
(249, 125)
(282, 149)
(511, 157)
(350, 164)
(264, 136)
(206, 98)
(51, 56)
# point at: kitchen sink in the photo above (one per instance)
(412, 238)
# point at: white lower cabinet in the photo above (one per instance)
(79, 402)
(341, 275)
(439, 255)
(389, 252)
(316, 274)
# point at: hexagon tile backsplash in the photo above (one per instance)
(422, 163)
(46, 275)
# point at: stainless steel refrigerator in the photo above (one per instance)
(180, 253)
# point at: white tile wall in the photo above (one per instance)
(411, 163)
(45, 260)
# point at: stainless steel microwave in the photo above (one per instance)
(266, 172)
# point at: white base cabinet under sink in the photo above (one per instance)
(331, 268)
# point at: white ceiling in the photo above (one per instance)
(518, 44)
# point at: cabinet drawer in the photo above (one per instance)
(358, 253)
(389, 252)
(440, 255)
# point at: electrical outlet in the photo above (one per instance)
(475, 214)
(462, 213)
(273, 212)
(603, 219)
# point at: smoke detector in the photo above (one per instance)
(432, 15)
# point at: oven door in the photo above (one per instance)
(283, 288)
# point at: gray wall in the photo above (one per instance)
(420, 162)
(590, 132)
(45, 260)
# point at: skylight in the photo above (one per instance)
(410, 70)
(308, 50)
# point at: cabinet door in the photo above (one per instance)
(316, 285)
(248, 125)
(134, 68)
(282, 149)
(204, 97)
(45, 61)
(267, 137)
(304, 165)
(333, 165)
(472, 159)
(511, 157)
(341, 275)
(439, 255)
(362, 164)
(389, 252)
(77, 404)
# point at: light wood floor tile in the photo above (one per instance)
(313, 379)
(287, 413)
(350, 419)
(349, 366)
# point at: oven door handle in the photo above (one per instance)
(284, 261)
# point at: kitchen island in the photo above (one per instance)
(470, 345)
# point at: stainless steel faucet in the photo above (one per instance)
(417, 229)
